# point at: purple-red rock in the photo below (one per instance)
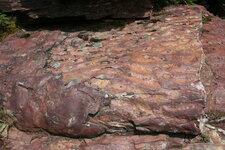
(139, 78)
(39, 98)
(17, 140)
(160, 75)
(158, 142)
(213, 39)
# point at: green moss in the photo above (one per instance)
(7, 26)
(6, 119)
(205, 138)
(25, 35)
(190, 2)
(206, 19)
(215, 115)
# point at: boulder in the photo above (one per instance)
(146, 84)
(138, 78)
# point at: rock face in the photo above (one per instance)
(39, 141)
(213, 40)
(37, 94)
(79, 9)
(18, 140)
(117, 77)
(139, 78)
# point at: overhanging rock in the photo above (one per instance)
(77, 9)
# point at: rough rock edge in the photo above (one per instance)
(203, 120)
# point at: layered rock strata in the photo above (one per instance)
(213, 40)
(132, 78)
(140, 78)
(17, 140)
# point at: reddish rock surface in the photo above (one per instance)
(113, 77)
(134, 143)
(139, 78)
(17, 140)
(36, 94)
(213, 39)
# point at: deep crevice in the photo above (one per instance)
(170, 134)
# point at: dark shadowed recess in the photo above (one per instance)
(72, 24)
(95, 15)
(170, 134)
(217, 7)
(70, 15)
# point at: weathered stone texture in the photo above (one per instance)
(18, 140)
(139, 78)
(126, 78)
(150, 74)
(39, 98)
(213, 39)
(39, 141)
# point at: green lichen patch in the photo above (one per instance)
(215, 115)
(205, 138)
(7, 120)
(206, 19)
(7, 26)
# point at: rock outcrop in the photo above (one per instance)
(124, 79)
(140, 78)
(18, 140)
(213, 40)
